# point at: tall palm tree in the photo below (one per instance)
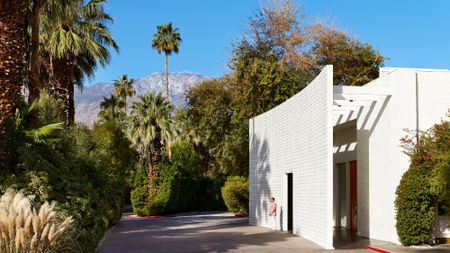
(151, 127)
(166, 40)
(112, 108)
(123, 88)
(13, 23)
(76, 39)
(12, 53)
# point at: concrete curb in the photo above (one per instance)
(105, 235)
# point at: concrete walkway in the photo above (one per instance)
(203, 232)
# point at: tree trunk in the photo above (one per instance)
(155, 153)
(12, 53)
(168, 100)
(71, 104)
(63, 80)
(13, 33)
(167, 78)
(34, 86)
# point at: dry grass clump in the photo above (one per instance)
(23, 229)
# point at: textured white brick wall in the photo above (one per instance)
(381, 162)
(296, 137)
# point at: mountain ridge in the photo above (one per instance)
(87, 102)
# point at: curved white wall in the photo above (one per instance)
(296, 137)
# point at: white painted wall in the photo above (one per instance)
(296, 137)
(381, 162)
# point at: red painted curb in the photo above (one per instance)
(377, 249)
(134, 216)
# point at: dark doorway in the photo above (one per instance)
(289, 203)
(353, 196)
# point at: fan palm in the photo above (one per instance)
(166, 40)
(111, 108)
(151, 127)
(77, 40)
(123, 88)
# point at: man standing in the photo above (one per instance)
(273, 212)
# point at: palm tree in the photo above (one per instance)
(123, 88)
(166, 40)
(76, 39)
(151, 127)
(12, 52)
(111, 108)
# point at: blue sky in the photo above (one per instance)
(411, 33)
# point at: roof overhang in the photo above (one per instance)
(349, 102)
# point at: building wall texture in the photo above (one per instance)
(420, 98)
(296, 137)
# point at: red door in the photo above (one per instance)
(353, 197)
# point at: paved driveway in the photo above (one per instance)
(202, 232)
(199, 232)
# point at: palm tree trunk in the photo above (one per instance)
(13, 25)
(71, 103)
(62, 69)
(35, 85)
(168, 99)
(34, 74)
(12, 53)
(154, 157)
(167, 77)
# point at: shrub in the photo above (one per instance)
(180, 186)
(424, 189)
(23, 229)
(235, 194)
(415, 207)
(139, 192)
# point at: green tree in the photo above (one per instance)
(123, 88)
(112, 108)
(76, 39)
(354, 63)
(208, 117)
(151, 127)
(167, 40)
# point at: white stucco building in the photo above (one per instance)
(331, 155)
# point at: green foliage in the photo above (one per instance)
(83, 170)
(415, 207)
(235, 194)
(424, 186)
(166, 39)
(139, 193)
(354, 63)
(180, 186)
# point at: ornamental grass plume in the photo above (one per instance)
(23, 229)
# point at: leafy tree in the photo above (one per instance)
(123, 88)
(354, 63)
(150, 128)
(167, 40)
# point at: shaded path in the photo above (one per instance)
(211, 232)
(200, 232)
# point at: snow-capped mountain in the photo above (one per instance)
(87, 103)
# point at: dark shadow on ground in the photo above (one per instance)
(192, 232)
